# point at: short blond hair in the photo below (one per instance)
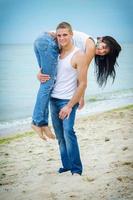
(64, 25)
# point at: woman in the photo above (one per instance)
(106, 49)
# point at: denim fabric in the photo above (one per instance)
(66, 137)
(46, 50)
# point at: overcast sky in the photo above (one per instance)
(22, 21)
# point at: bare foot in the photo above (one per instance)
(48, 132)
(38, 130)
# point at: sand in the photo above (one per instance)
(28, 165)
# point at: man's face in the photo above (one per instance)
(102, 49)
(64, 36)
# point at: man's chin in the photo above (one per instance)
(62, 45)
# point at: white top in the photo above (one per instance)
(66, 82)
(79, 39)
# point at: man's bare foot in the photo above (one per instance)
(47, 131)
(38, 130)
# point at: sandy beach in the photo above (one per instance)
(29, 165)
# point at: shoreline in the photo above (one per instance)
(91, 107)
(28, 167)
(30, 132)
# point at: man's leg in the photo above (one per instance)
(58, 128)
(71, 142)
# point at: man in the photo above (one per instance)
(69, 87)
(107, 50)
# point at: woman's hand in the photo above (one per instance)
(53, 34)
(42, 77)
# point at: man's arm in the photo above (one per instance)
(89, 52)
(79, 61)
(81, 102)
(42, 77)
(83, 61)
(82, 67)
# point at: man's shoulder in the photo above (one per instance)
(79, 53)
(79, 56)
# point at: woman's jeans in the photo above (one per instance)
(46, 50)
(66, 137)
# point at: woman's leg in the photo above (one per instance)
(46, 51)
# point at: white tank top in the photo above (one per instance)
(66, 82)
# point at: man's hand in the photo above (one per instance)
(43, 77)
(81, 103)
(65, 112)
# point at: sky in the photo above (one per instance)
(23, 21)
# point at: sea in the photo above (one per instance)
(19, 86)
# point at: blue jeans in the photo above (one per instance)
(46, 50)
(66, 137)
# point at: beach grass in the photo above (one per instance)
(122, 108)
(6, 140)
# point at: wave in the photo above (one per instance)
(110, 95)
(94, 104)
(15, 126)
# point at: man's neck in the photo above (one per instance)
(67, 49)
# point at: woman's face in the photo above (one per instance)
(102, 49)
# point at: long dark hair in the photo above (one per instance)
(105, 65)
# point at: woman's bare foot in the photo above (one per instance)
(47, 131)
(39, 131)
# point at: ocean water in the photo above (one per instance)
(19, 85)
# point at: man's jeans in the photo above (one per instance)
(66, 137)
(46, 50)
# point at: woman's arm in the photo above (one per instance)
(90, 50)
